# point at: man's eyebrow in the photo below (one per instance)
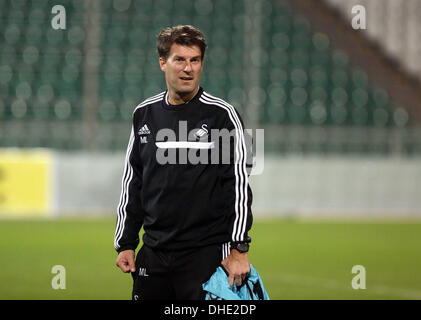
(195, 57)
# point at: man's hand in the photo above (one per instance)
(238, 267)
(125, 261)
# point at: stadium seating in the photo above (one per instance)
(302, 80)
(315, 85)
(41, 71)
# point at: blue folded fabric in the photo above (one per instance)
(218, 288)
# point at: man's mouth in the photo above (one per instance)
(186, 78)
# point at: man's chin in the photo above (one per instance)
(185, 91)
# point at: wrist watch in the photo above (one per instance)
(241, 246)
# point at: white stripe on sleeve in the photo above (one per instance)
(127, 177)
(240, 170)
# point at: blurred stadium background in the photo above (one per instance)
(340, 109)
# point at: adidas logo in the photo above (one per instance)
(144, 130)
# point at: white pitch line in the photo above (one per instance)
(334, 284)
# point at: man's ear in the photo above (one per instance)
(162, 63)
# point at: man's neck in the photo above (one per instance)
(175, 98)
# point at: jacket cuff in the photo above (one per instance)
(126, 248)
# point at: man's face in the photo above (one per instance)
(182, 68)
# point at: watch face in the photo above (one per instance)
(243, 247)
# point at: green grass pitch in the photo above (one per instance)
(296, 259)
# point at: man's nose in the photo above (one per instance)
(187, 67)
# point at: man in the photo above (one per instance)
(195, 216)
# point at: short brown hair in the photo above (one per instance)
(186, 35)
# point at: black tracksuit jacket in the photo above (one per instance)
(184, 204)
